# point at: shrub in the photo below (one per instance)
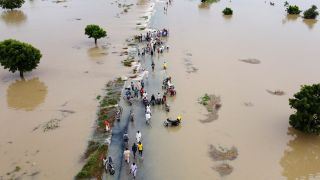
(227, 11)
(293, 10)
(311, 13)
(307, 105)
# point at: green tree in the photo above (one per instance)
(307, 105)
(311, 13)
(11, 4)
(293, 10)
(18, 56)
(227, 11)
(96, 32)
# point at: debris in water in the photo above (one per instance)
(251, 61)
(213, 105)
(67, 111)
(34, 173)
(248, 104)
(59, 1)
(51, 125)
(276, 92)
(221, 154)
(223, 169)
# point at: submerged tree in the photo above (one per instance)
(96, 32)
(18, 56)
(311, 13)
(307, 105)
(227, 11)
(293, 10)
(11, 4)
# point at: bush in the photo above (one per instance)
(18, 56)
(227, 11)
(293, 10)
(307, 105)
(11, 4)
(311, 13)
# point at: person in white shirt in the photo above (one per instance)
(148, 116)
(133, 170)
(138, 136)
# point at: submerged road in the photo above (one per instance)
(153, 85)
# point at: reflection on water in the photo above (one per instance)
(310, 22)
(292, 17)
(97, 53)
(227, 17)
(302, 158)
(14, 17)
(26, 94)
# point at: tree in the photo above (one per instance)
(307, 105)
(227, 11)
(311, 13)
(18, 56)
(96, 32)
(11, 4)
(293, 10)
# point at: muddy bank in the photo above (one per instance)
(98, 145)
(213, 105)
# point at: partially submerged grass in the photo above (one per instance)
(94, 167)
(128, 62)
(97, 148)
(212, 104)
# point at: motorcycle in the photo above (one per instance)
(169, 122)
(109, 166)
(145, 101)
(128, 99)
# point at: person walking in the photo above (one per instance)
(152, 65)
(133, 170)
(134, 149)
(132, 86)
(138, 136)
(126, 154)
(136, 92)
(140, 148)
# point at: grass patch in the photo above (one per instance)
(128, 62)
(94, 167)
(204, 100)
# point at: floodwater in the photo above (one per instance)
(205, 49)
(72, 72)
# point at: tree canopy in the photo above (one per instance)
(227, 11)
(307, 105)
(18, 56)
(293, 9)
(11, 4)
(96, 32)
(311, 13)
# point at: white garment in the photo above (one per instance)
(133, 170)
(148, 116)
(148, 111)
(126, 154)
(138, 137)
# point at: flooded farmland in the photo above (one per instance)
(240, 59)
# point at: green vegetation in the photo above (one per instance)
(94, 167)
(209, 1)
(128, 62)
(293, 9)
(204, 100)
(11, 4)
(96, 32)
(227, 11)
(307, 105)
(18, 56)
(311, 13)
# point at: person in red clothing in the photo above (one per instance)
(107, 124)
(141, 92)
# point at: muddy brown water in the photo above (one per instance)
(71, 74)
(73, 71)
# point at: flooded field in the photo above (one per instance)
(253, 61)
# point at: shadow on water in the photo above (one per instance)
(301, 159)
(310, 23)
(14, 17)
(26, 94)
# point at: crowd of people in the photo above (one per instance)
(152, 43)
